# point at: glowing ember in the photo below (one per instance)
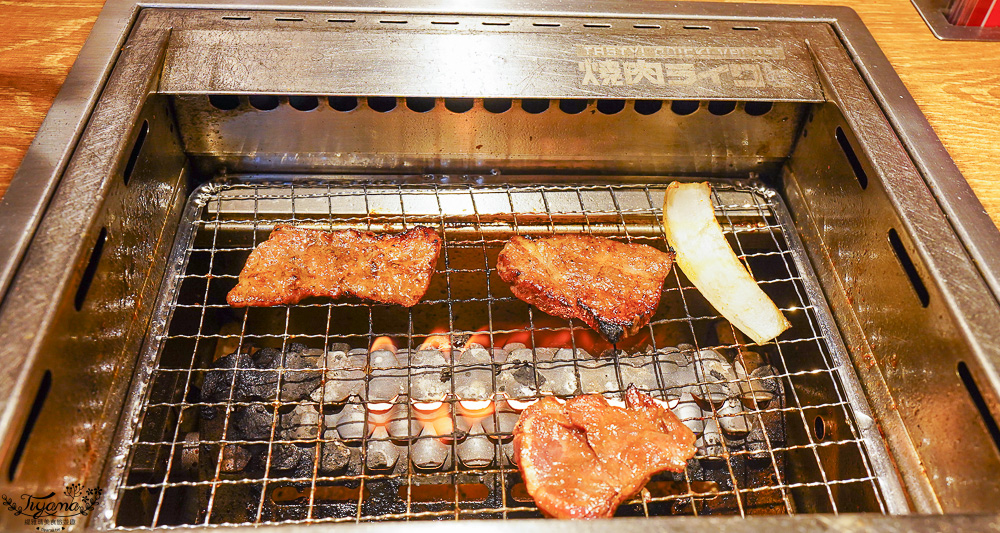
(520, 405)
(382, 407)
(437, 340)
(383, 343)
(474, 406)
(427, 407)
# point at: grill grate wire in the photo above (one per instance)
(747, 211)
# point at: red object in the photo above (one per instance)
(993, 14)
(980, 13)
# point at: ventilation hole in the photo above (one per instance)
(448, 22)
(646, 26)
(852, 158)
(420, 104)
(36, 408)
(343, 103)
(909, 268)
(497, 105)
(235, 17)
(225, 102)
(382, 104)
(610, 107)
(648, 107)
(745, 28)
(721, 107)
(572, 106)
(534, 105)
(342, 21)
(88, 273)
(547, 24)
(684, 107)
(977, 398)
(819, 428)
(757, 109)
(458, 105)
(303, 103)
(434, 493)
(392, 22)
(264, 102)
(697, 27)
(496, 23)
(136, 148)
(288, 19)
(596, 25)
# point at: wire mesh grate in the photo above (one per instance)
(314, 457)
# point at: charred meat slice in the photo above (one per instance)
(295, 263)
(585, 458)
(612, 286)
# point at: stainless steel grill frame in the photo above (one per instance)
(880, 216)
(479, 217)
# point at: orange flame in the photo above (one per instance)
(437, 340)
(437, 421)
(475, 410)
(383, 343)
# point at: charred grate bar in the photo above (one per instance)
(333, 411)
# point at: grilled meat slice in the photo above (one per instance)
(295, 263)
(585, 458)
(612, 286)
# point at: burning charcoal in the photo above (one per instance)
(559, 371)
(500, 424)
(507, 450)
(676, 369)
(335, 457)
(476, 450)
(517, 378)
(710, 441)
(429, 453)
(344, 376)
(235, 458)
(546, 353)
(191, 452)
(257, 376)
(381, 454)
(388, 380)
(285, 456)
(513, 347)
(428, 377)
(733, 420)
(639, 371)
(717, 381)
(769, 385)
(756, 444)
(218, 385)
(598, 377)
(252, 423)
(688, 411)
(680, 382)
(351, 422)
(298, 378)
(303, 423)
(402, 424)
(474, 377)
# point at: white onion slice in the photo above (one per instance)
(707, 260)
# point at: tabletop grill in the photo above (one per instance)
(188, 413)
(407, 413)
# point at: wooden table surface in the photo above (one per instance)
(956, 84)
